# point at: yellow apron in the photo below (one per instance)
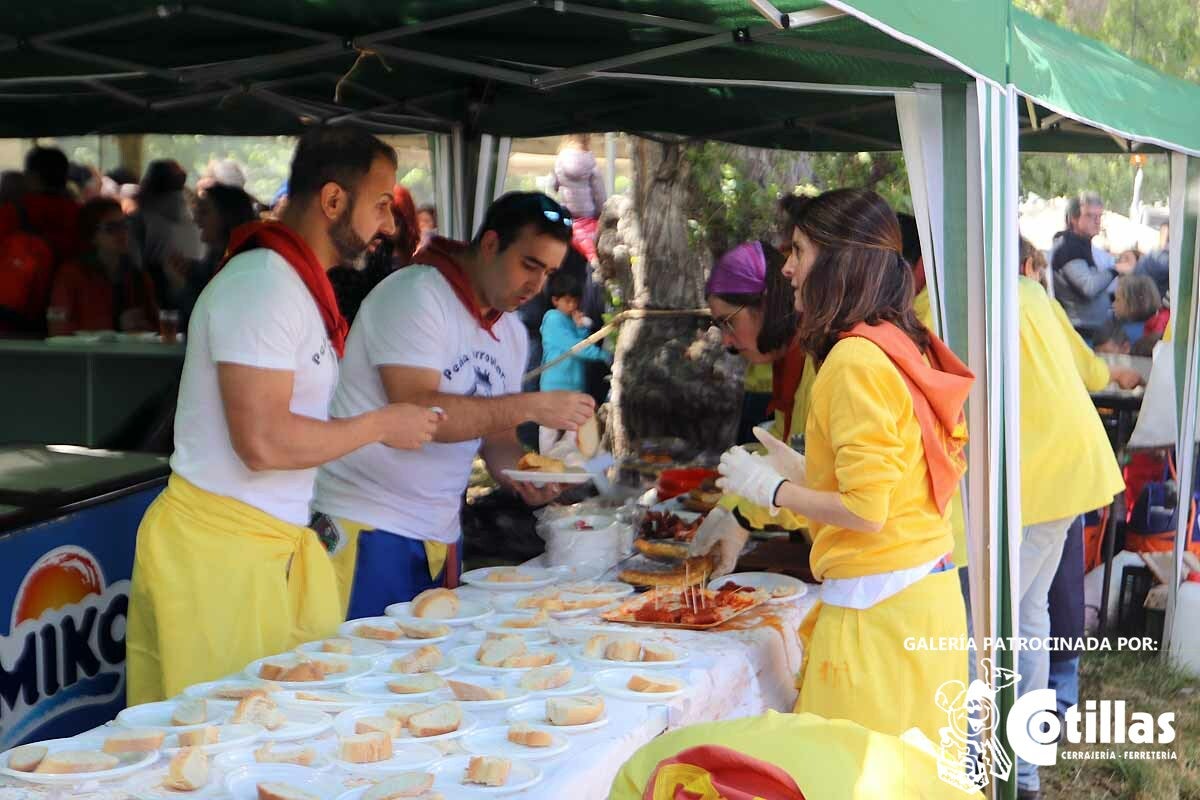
(856, 666)
(829, 759)
(216, 584)
(345, 560)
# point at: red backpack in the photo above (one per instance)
(26, 267)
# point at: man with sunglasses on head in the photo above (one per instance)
(441, 333)
(225, 570)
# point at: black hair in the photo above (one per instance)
(514, 211)
(910, 238)
(163, 176)
(333, 154)
(122, 175)
(564, 284)
(777, 304)
(232, 205)
(431, 210)
(50, 165)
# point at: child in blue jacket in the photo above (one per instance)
(563, 327)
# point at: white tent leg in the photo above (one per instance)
(610, 164)
(503, 152)
(487, 161)
(920, 117)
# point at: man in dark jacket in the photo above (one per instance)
(1080, 284)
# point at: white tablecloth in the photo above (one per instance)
(732, 673)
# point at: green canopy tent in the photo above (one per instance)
(957, 85)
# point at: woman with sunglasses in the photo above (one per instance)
(884, 446)
(102, 289)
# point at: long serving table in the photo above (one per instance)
(744, 669)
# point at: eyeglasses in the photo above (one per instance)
(726, 323)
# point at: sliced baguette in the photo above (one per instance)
(595, 646)
(442, 718)
(640, 683)
(193, 711)
(539, 680)
(423, 630)
(623, 650)
(404, 711)
(487, 771)
(529, 736)
(188, 770)
(300, 756)
(381, 633)
(494, 652)
(209, 734)
(26, 758)
(474, 692)
(390, 726)
(365, 748)
(72, 762)
(341, 646)
(658, 652)
(542, 658)
(259, 709)
(135, 740)
(238, 692)
(577, 710)
(324, 697)
(425, 658)
(415, 684)
(435, 604)
(404, 785)
(274, 790)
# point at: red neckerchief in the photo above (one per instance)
(786, 373)
(443, 255)
(918, 273)
(939, 392)
(294, 250)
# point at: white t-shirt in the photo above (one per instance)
(414, 319)
(256, 312)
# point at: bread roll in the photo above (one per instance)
(188, 770)
(587, 438)
(529, 736)
(595, 646)
(209, 734)
(72, 762)
(415, 684)
(541, 658)
(274, 790)
(26, 758)
(300, 756)
(404, 785)
(343, 646)
(623, 650)
(488, 771)
(435, 604)
(425, 658)
(640, 683)
(578, 710)
(494, 652)
(365, 748)
(192, 711)
(423, 630)
(539, 680)
(658, 652)
(136, 740)
(471, 691)
(259, 709)
(386, 725)
(440, 719)
(404, 711)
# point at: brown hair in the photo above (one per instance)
(1142, 300)
(859, 274)
(91, 214)
(1027, 251)
(777, 304)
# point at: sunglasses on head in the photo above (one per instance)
(552, 210)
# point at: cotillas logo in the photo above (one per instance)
(1035, 732)
(66, 644)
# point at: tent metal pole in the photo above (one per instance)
(233, 70)
(125, 97)
(632, 17)
(447, 22)
(583, 72)
(261, 24)
(796, 19)
(867, 140)
(38, 43)
(192, 100)
(155, 13)
(446, 63)
(799, 122)
(796, 86)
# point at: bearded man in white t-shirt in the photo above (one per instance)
(440, 332)
(225, 570)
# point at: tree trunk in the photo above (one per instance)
(671, 376)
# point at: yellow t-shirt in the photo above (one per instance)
(1067, 462)
(758, 378)
(863, 441)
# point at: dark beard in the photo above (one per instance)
(349, 245)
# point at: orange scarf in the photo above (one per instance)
(443, 255)
(786, 373)
(939, 389)
(294, 250)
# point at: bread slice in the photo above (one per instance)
(640, 683)
(324, 697)
(382, 633)
(529, 736)
(259, 709)
(401, 713)
(536, 621)
(239, 691)
(188, 770)
(540, 680)
(404, 785)
(209, 734)
(330, 666)
(494, 652)
(487, 771)
(365, 748)
(542, 658)
(274, 790)
(514, 574)
(435, 604)
(442, 718)
(595, 646)
(299, 672)
(423, 630)
(587, 438)
(578, 710)
(415, 684)
(135, 740)
(384, 724)
(72, 762)
(658, 652)
(300, 756)
(26, 758)
(472, 691)
(193, 711)
(425, 658)
(623, 650)
(343, 646)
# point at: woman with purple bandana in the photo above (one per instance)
(751, 300)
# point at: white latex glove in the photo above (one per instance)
(721, 535)
(751, 477)
(787, 462)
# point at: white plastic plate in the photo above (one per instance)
(613, 682)
(83, 743)
(468, 611)
(348, 628)
(373, 689)
(356, 667)
(405, 758)
(358, 647)
(768, 582)
(494, 742)
(450, 771)
(231, 737)
(465, 657)
(344, 724)
(534, 712)
(158, 716)
(536, 578)
(242, 783)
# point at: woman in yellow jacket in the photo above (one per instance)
(884, 437)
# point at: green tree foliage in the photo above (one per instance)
(883, 172)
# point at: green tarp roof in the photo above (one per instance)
(227, 66)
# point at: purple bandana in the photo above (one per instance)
(743, 270)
